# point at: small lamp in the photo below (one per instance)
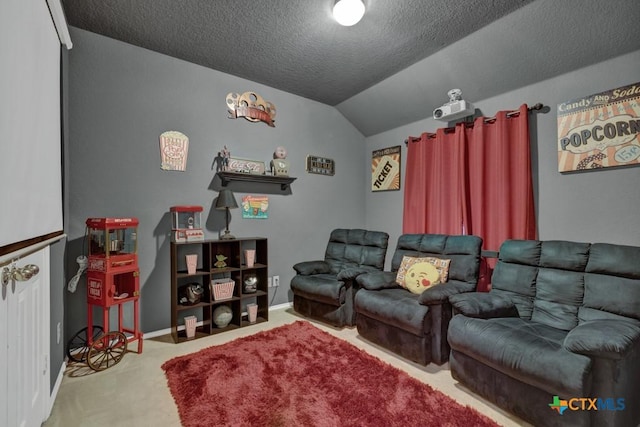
(226, 201)
(348, 12)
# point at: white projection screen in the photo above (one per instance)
(30, 123)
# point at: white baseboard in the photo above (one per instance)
(153, 334)
(56, 388)
(279, 306)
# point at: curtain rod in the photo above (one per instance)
(537, 107)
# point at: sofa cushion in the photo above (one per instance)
(543, 279)
(564, 255)
(612, 339)
(396, 307)
(612, 280)
(439, 294)
(319, 287)
(558, 297)
(524, 350)
(377, 280)
(516, 283)
(461, 250)
(349, 248)
(483, 305)
(309, 268)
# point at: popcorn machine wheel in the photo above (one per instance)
(107, 350)
(100, 352)
(78, 345)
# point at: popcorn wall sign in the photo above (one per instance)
(600, 131)
(174, 148)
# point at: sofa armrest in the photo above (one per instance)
(377, 280)
(611, 339)
(307, 268)
(440, 293)
(352, 273)
(483, 305)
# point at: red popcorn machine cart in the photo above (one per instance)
(113, 279)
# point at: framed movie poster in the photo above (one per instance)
(600, 130)
(385, 169)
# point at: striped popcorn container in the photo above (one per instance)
(222, 289)
(190, 326)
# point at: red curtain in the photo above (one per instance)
(472, 179)
(434, 184)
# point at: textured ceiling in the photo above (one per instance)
(399, 61)
(293, 45)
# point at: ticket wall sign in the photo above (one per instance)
(385, 169)
(600, 131)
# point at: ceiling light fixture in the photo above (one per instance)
(348, 12)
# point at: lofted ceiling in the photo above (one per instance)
(399, 61)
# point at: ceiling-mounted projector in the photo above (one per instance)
(456, 108)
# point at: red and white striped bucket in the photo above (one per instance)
(222, 289)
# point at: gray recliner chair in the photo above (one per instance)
(415, 326)
(324, 289)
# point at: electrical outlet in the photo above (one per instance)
(269, 282)
(276, 281)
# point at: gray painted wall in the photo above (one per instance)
(592, 206)
(121, 98)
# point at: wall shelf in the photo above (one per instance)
(283, 181)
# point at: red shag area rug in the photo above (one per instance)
(299, 375)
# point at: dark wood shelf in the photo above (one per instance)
(256, 266)
(222, 301)
(283, 181)
(254, 294)
(184, 273)
(181, 307)
(237, 270)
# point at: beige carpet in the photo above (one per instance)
(135, 392)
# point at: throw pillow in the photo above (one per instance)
(418, 274)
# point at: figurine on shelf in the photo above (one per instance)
(250, 285)
(190, 293)
(280, 166)
(220, 261)
(226, 154)
(221, 161)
